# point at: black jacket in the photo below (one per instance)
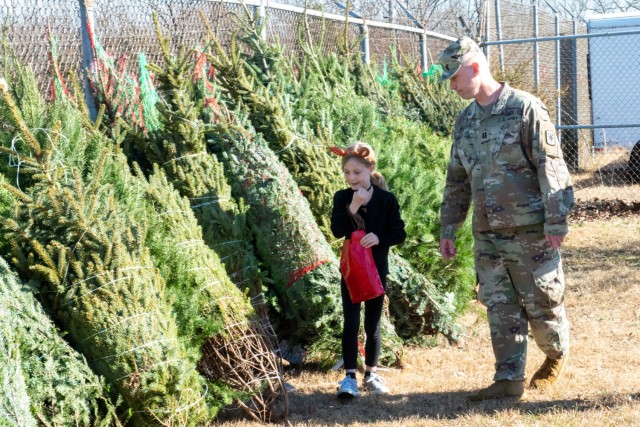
(381, 216)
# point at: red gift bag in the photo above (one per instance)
(359, 270)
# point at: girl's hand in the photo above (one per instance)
(369, 240)
(360, 197)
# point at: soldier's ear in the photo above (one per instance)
(476, 68)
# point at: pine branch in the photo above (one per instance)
(17, 121)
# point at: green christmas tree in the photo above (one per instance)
(327, 90)
(179, 147)
(302, 264)
(211, 310)
(97, 279)
(43, 377)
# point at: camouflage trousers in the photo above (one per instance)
(521, 284)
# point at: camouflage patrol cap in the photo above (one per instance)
(455, 54)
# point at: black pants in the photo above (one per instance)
(372, 315)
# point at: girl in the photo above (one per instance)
(367, 204)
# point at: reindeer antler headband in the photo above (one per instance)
(360, 152)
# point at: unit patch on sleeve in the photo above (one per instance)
(550, 137)
(551, 145)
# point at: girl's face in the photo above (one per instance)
(356, 174)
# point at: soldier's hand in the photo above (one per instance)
(555, 241)
(447, 248)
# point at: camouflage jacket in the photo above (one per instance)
(508, 162)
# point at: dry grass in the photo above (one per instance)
(600, 387)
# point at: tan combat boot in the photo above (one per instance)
(548, 373)
(499, 389)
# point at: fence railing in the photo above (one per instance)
(536, 51)
(124, 27)
(589, 83)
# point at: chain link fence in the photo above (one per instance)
(590, 98)
(588, 82)
(26, 29)
(125, 28)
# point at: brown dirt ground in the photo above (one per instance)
(600, 386)
(603, 209)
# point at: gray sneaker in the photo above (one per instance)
(373, 384)
(348, 388)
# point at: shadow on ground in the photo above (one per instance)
(325, 408)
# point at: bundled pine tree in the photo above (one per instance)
(258, 86)
(236, 347)
(304, 268)
(177, 144)
(97, 279)
(211, 311)
(51, 382)
(435, 104)
(330, 104)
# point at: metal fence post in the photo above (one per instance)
(536, 58)
(487, 32)
(556, 28)
(423, 52)
(499, 35)
(570, 103)
(574, 161)
(364, 44)
(575, 79)
(87, 25)
(423, 36)
(262, 21)
(558, 80)
(364, 33)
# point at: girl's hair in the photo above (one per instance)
(353, 152)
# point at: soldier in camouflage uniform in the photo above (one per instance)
(507, 161)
